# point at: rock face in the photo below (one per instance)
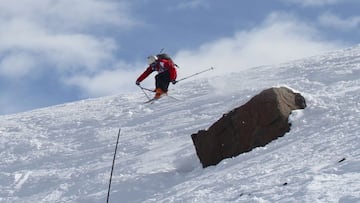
(256, 123)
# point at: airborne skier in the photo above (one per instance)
(165, 67)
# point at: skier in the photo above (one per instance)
(166, 73)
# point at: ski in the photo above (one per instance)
(174, 98)
(151, 101)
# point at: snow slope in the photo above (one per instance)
(64, 153)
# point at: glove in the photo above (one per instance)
(137, 83)
(174, 82)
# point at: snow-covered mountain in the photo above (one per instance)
(64, 153)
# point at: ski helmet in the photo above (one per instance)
(151, 59)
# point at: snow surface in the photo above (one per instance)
(64, 153)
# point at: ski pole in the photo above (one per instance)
(147, 89)
(142, 89)
(112, 167)
(187, 77)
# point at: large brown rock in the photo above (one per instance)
(256, 123)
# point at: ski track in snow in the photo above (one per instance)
(64, 153)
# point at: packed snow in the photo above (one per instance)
(64, 153)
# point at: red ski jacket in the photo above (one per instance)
(160, 66)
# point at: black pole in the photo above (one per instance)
(112, 167)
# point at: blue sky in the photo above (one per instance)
(57, 51)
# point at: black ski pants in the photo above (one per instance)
(162, 80)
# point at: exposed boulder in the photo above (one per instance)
(256, 123)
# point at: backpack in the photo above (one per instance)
(164, 56)
(167, 57)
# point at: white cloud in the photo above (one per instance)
(58, 34)
(332, 20)
(314, 2)
(70, 14)
(16, 65)
(105, 83)
(120, 79)
(62, 51)
(280, 38)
